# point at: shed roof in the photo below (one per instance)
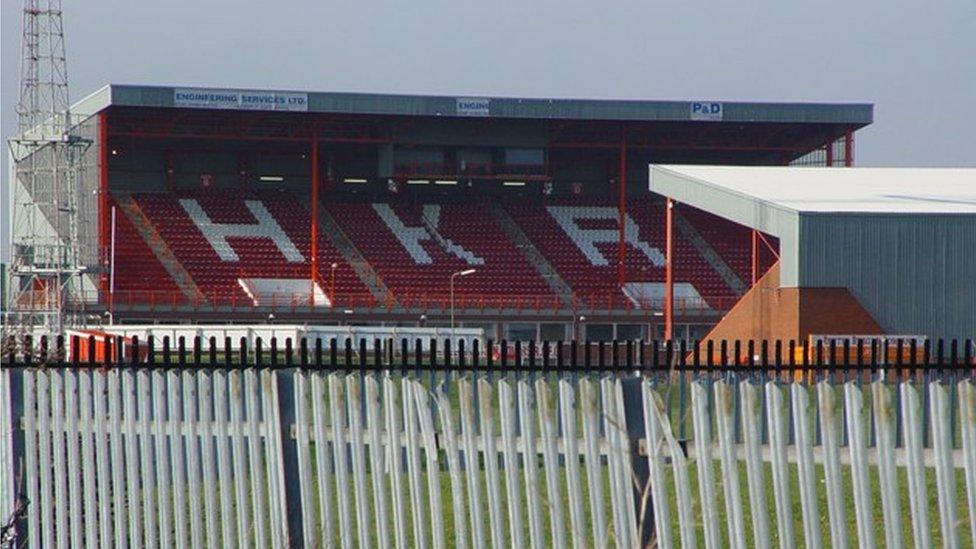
(811, 190)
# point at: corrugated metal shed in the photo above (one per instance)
(902, 240)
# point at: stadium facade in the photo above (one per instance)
(530, 217)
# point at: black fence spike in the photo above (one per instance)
(181, 351)
(136, 350)
(75, 350)
(432, 353)
(44, 349)
(243, 352)
(273, 352)
(404, 356)
(228, 352)
(462, 359)
(212, 350)
(10, 351)
(166, 352)
(476, 352)
(516, 357)
(29, 349)
(289, 353)
(258, 353)
(363, 357)
(59, 349)
(91, 351)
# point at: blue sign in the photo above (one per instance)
(238, 99)
(701, 110)
(473, 107)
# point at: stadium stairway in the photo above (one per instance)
(709, 254)
(370, 278)
(532, 254)
(160, 249)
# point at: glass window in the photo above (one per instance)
(598, 332)
(631, 332)
(551, 331)
(520, 331)
(535, 157)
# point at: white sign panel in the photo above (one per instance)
(701, 110)
(467, 106)
(244, 100)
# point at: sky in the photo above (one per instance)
(916, 61)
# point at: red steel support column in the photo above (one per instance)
(315, 206)
(830, 154)
(669, 270)
(849, 149)
(622, 211)
(755, 256)
(103, 207)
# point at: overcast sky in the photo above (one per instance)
(916, 61)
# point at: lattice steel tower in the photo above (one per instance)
(46, 269)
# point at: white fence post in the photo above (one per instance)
(751, 423)
(725, 418)
(884, 421)
(805, 466)
(706, 464)
(967, 421)
(911, 412)
(776, 414)
(831, 415)
(945, 479)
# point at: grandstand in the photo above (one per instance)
(239, 206)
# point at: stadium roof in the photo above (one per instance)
(853, 114)
(821, 191)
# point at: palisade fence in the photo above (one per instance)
(625, 444)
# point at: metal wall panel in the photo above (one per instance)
(914, 274)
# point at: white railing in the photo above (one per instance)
(288, 457)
